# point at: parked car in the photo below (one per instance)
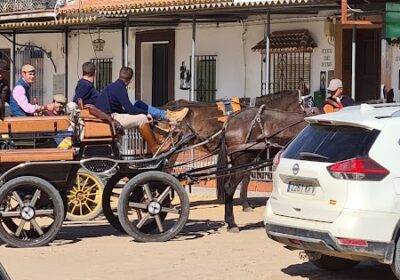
(336, 189)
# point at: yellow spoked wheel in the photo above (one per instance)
(84, 198)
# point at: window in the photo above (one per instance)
(288, 71)
(289, 60)
(331, 143)
(205, 81)
(103, 72)
(35, 57)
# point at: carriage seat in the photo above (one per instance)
(24, 155)
(228, 106)
(34, 124)
(98, 125)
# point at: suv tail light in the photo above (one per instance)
(360, 169)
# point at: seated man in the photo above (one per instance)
(114, 100)
(85, 88)
(20, 100)
(59, 101)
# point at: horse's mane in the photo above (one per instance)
(289, 95)
(185, 103)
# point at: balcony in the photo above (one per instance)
(12, 6)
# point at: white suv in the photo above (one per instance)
(336, 189)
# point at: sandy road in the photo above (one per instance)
(204, 250)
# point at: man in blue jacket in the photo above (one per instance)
(85, 88)
(114, 101)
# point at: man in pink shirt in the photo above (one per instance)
(20, 99)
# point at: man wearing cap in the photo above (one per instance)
(20, 99)
(59, 101)
(85, 88)
(336, 100)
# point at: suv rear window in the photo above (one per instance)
(330, 143)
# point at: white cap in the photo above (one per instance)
(334, 84)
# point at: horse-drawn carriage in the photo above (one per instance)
(34, 181)
(153, 205)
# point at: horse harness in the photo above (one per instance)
(262, 142)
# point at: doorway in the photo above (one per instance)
(368, 63)
(155, 67)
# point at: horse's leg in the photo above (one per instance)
(244, 184)
(229, 188)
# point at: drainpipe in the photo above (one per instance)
(126, 46)
(267, 62)
(14, 57)
(192, 60)
(66, 63)
(353, 64)
(123, 43)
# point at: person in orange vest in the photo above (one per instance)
(336, 100)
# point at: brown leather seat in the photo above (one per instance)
(34, 124)
(98, 125)
(23, 155)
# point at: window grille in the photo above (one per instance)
(103, 72)
(288, 71)
(30, 55)
(206, 76)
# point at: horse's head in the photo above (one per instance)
(304, 88)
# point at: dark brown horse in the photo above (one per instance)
(202, 122)
(278, 128)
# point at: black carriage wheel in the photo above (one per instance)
(158, 189)
(31, 212)
(110, 210)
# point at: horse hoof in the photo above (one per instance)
(233, 230)
(248, 209)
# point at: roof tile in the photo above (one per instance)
(288, 41)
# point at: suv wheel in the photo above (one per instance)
(334, 263)
(396, 260)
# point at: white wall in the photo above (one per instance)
(81, 50)
(147, 72)
(238, 67)
(224, 42)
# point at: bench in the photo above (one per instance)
(24, 155)
(12, 125)
(98, 125)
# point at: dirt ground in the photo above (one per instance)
(204, 250)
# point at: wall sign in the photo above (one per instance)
(327, 58)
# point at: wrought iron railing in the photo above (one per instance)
(7, 6)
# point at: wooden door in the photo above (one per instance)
(368, 65)
(160, 74)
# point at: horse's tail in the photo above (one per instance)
(222, 162)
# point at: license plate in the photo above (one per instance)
(300, 188)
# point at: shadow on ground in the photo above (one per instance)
(255, 202)
(363, 271)
(74, 232)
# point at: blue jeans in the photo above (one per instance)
(153, 111)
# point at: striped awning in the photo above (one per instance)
(110, 7)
